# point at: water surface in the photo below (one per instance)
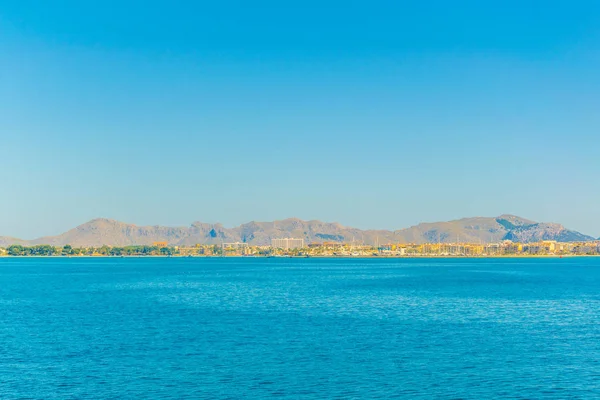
(181, 328)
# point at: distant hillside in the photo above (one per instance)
(486, 230)
(101, 231)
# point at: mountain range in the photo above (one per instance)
(109, 232)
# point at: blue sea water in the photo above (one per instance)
(187, 328)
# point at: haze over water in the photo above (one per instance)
(299, 328)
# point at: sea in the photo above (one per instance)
(296, 328)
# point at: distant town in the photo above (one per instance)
(295, 247)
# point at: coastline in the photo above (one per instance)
(559, 256)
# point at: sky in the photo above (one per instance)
(378, 114)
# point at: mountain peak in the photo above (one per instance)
(100, 221)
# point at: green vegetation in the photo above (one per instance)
(68, 250)
(40, 250)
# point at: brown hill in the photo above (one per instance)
(101, 231)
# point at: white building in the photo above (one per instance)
(287, 243)
(236, 245)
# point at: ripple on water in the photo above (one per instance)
(300, 329)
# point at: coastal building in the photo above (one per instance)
(238, 248)
(236, 245)
(287, 243)
(550, 245)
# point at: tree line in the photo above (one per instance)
(68, 250)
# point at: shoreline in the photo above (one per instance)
(559, 256)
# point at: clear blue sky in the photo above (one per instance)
(373, 114)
